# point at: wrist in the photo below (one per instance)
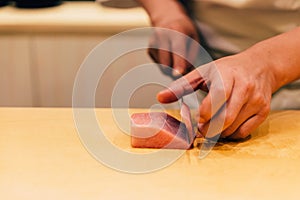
(280, 55)
(263, 65)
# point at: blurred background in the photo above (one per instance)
(43, 43)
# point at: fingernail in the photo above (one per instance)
(177, 72)
(159, 96)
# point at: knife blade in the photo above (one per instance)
(186, 117)
(205, 144)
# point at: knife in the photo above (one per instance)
(186, 117)
(205, 144)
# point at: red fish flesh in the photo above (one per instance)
(160, 130)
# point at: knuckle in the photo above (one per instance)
(224, 90)
(176, 27)
(266, 109)
(244, 92)
(249, 85)
(205, 116)
(263, 104)
(264, 112)
(247, 88)
(229, 119)
(259, 100)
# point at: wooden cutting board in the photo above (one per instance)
(41, 157)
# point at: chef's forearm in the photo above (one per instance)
(282, 55)
(162, 10)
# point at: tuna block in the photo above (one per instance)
(159, 130)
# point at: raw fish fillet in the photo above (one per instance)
(160, 130)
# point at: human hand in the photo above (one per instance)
(177, 48)
(239, 94)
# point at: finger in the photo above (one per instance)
(158, 55)
(182, 86)
(246, 112)
(219, 93)
(164, 58)
(180, 65)
(259, 104)
(164, 67)
(212, 128)
(152, 50)
(230, 113)
(160, 51)
(179, 45)
(247, 127)
(253, 122)
(193, 53)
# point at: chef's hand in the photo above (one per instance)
(175, 47)
(239, 93)
(170, 15)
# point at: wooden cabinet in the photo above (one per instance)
(57, 60)
(16, 71)
(40, 69)
(41, 51)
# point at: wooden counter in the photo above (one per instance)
(41, 157)
(80, 17)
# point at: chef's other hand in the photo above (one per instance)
(172, 15)
(176, 48)
(239, 94)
